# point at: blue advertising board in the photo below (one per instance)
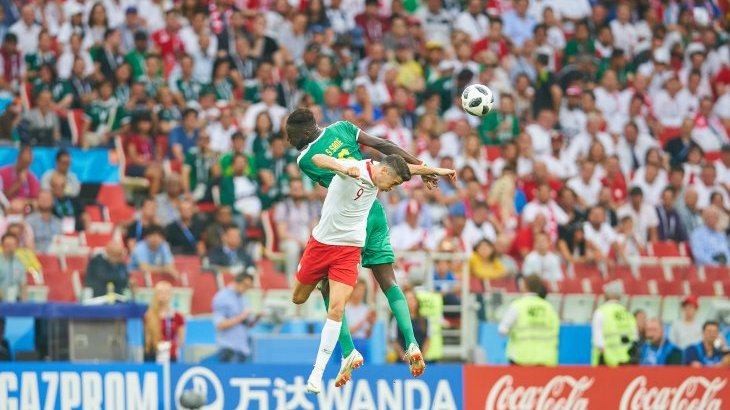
(90, 165)
(66, 386)
(282, 387)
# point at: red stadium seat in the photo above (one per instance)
(726, 288)
(667, 134)
(636, 287)
(205, 286)
(663, 249)
(60, 286)
(269, 277)
(665, 287)
(686, 272)
(112, 196)
(96, 214)
(651, 272)
(137, 279)
(702, 288)
(621, 272)
(50, 263)
(160, 277)
(506, 284)
(711, 156)
(476, 285)
(493, 152)
(76, 263)
(719, 273)
(571, 286)
(97, 240)
(586, 270)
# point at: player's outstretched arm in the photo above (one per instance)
(335, 165)
(388, 148)
(424, 170)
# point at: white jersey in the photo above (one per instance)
(346, 207)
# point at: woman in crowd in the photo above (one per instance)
(164, 328)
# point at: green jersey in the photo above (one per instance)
(338, 140)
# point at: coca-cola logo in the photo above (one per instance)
(695, 393)
(560, 393)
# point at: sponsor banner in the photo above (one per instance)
(93, 166)
(66, 386)
(281, 387)
(625, 388)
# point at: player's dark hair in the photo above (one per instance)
(301, 128)
(398, 165)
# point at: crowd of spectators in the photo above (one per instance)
(610, 127)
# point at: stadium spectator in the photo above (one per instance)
(710, 246)
(657, 350)
(185, 232)
(12, 271)
(63, 167)
(531, 342)
(232, 315)
(687, 330)
(146, 217)
(240, 191)
(643, 215)
(41, 125)
(542, 261)
(641, 320)
(670, 224)
(633, 244)
(711, 351)
(421, 328)
(600, 238)
(18, 181)
(26, 30)
(168, 202)
(293, 219)
(44, 224)
(164, 328)
(108, 267)
(185, 136)
(360, 317)
(67, 208)
(485, 262)
(230, 258)
(153, 254)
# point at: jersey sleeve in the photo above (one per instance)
(352, 131)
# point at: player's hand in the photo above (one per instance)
(445, 172)
(353, 172)
(430, 181)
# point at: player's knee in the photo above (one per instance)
(298, 298)
(336, 311)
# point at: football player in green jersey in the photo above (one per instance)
(342, 140)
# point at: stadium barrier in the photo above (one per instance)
(66, 386)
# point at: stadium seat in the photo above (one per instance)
(205, 286)
(492, 152)
(269, 277)
(687, 272)
(635, 287)
(702, 288)
(156, 278)
(663, 249)
(671, 308)
(650, 304)
(60, 286)
(95, 213)
(476, 285)
(556, 300)
(50, 263)
(726, 288)
(712, 156)
(112, 196)
(578, 308)
(136, 278)
(75, 263)
(571, 286)
(585, 270)
(666, 287)
(621, 272)
(655, 272)
(506, 284)
(721, 273)
(96, 240)
(707, 310)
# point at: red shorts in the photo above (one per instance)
(338, 263)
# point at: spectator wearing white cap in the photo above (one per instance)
(643, 215)
(586, 185)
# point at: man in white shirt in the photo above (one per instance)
(707, 185)
(436, 22)
(27, 30)
(624, 33)
(601, 238)
(541, 131)
(268, 104)
(221, 131)
(572, 117)
(473, 21)
(409, 235)
(708, 131)
(644, 215)
(581, 143)
(542, 262)
(544, 205)
(672, 104)
(608, 97)
(377, 90)
(190, 34)
(392, 129)
(586, 185)
(334, 249)
(632, 148)
(652, 180)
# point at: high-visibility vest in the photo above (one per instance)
(619, 332)
(432, 308)
(533, 339)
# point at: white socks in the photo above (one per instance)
(327, 343)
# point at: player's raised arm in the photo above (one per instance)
(388, 148)
(427, 171)
(335, 165)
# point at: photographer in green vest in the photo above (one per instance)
(532, 326)
(614, 331)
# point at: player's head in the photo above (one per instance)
(392, 170)
(301, 128)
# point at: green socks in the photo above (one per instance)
(345, 338)
(399, 307)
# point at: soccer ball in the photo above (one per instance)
(477, 99)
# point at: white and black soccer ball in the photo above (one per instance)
(477, 99)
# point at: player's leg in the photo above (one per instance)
(301, 291)
(379, 257)
(312, 269)
(347, 346)
(342, 278)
